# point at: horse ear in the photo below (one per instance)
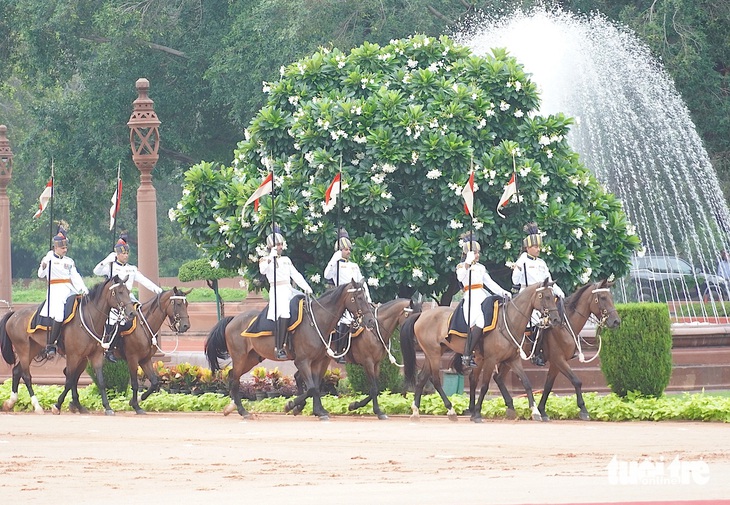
(186, 293)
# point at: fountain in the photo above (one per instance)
(632, 130)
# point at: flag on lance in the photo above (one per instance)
(468, 194)
(266, 187)
(116, 202)
(44, 198)
(509, 191)
(333, 190)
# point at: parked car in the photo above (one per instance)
(662, 278)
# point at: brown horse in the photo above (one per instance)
(79, 341)
(430, 329)
(140, 345)
(561, 344)
(308, 341)
(370, 347)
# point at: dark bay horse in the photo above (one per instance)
(370, 347)
(430, 329)
(138, 347)
(308, 341)
(79, 341)
(562, 344)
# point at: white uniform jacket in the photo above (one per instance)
(349, 271)
(482, 286)
(285, 273)
(65, 281)
(109, 267)
(529, 270)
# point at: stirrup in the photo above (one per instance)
(109, 355)
(49, 352)
(281, 354)
(468, 362)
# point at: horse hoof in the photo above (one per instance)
(109, 412)
(382, 417)
(451, 414)
(352, 406)
(297, 410)
(324, 418)
(84, 410)
(229, 408)
(536, 417)
(415, 418)
(8, 406)
(545, 418)
(289, 406)
(511, 414)
(55, 410)
(584, 416)
(477, 420)
(246, 416)
(140, 411)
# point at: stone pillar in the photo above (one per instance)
(6, 171)
(144, 138)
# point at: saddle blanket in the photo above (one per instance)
(457, 320)
(261, 326)
(38, 322)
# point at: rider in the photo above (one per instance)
(530, 269)
(280, 271)
(478, 285)
(340, 270)
(117, 263)
(63, 281)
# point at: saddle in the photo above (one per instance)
(262, 326)
(38, 322)
(457, 320)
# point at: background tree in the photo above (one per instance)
(405, 122)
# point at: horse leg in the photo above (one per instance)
(132, 366)
(563, 367)
(423, 377)
(372, 369)
(516, 367)
(511, 413)
(149, 372)
(234, 384)
(473, 383)
(10, 402)
(97, 361)
(56, 407)
(318, 369)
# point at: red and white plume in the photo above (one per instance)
(116, 203)
(509, 191)
(44, 199)
(266, 187)
(333, 190)
(468, 194)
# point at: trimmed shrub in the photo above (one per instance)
(390, 376)
(638, 355)
(116, 376)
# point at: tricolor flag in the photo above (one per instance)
(333, 190)
(468, 194)
(266, 187)
(509, 190)
(44, 198)
(116, 202)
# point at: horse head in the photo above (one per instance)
(356, 302)
(544, 302)
(178, 318)
(119, 297)
(602, 305)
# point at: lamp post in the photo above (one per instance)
(6, 171)
(144, 138)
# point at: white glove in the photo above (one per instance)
(337, 256)
(273, 253)
(110, 258)
(507, 295)
(307, 290)
(470, 257)
(157, 290)
(84, 291)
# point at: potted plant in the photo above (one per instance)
(261, 382)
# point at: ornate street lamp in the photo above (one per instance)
(144, 138)
(6, 172)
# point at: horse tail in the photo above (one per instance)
(5, 343)
(408, 348)
(215, 345)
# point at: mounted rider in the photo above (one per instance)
(530, 269)
(63, 281)
(478, 285)
(341, 270)
(280, 273)
(117, 263)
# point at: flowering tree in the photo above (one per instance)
(405, 124)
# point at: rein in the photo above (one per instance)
(173, 326)
(600, 326)
(327, 342)
(408, 311)
(85, 325)
(519, 345)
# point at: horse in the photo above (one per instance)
(561, 344)
(138, 347)
(78, 341)
(318, 319)
(430, 329)
(370, 347)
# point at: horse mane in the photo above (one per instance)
(95, 292)
(571, 302)
(334, 294)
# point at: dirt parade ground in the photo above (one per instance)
(190, 457)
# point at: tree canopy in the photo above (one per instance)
(405, 123)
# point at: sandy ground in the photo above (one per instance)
(186, 458)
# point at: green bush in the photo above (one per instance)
(390, 376)
(116, 376)
(637, 356)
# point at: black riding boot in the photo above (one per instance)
(280, 336)
(109, 355)
(52, 338)
(340, 343)
(467, 358)
(538, 358)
